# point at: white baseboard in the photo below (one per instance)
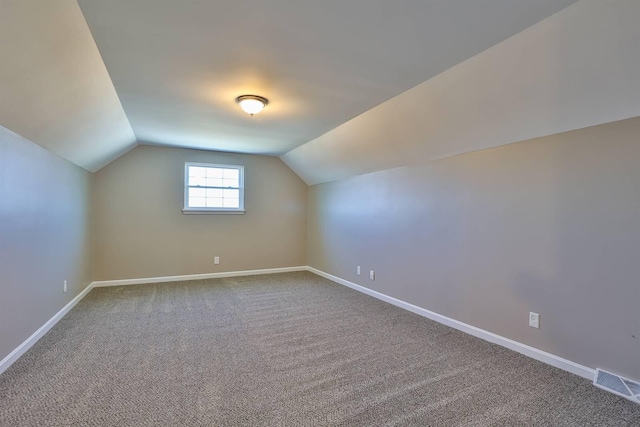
(148, 280)
(29, 342)
(532, 352)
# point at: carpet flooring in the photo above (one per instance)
(281, 350)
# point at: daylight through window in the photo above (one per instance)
(214, 187)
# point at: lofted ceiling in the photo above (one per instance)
(54, 87)
(177, 66)
(575, 69)
(354, 86)
(90, 80)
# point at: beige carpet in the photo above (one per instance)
(281, 350)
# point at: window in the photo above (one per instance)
(213, 188)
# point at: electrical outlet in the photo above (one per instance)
(358, 270)
(534, 320)
(372, 275)
(64, 286)
(216, 260)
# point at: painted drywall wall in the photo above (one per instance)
(140, 230)
(577, 68)
(550, 225)
(44, 236)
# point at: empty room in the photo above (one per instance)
(319, 213)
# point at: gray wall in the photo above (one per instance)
(550, 225)
(140, 230)
(44, 236)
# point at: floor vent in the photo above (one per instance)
(617, 385)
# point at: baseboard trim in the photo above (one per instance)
(534, 353)
(29, 342)
(148, 280)
(529, 351)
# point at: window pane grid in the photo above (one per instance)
(213, 187)
(208, 197)
(200, 176)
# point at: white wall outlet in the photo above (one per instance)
(372, 275)
(64, 286)
(216, 260)
(534, 320)
(358, 270)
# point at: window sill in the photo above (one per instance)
(212, 212)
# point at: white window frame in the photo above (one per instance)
(188, 210)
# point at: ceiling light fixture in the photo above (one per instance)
(252, 104)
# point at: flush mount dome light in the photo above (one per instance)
(252, 104)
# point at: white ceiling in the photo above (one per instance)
(54, 87)
(577, 68)
(177, 66)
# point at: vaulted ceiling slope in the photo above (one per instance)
(54, 87)
(178, 65)
(577, 68)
